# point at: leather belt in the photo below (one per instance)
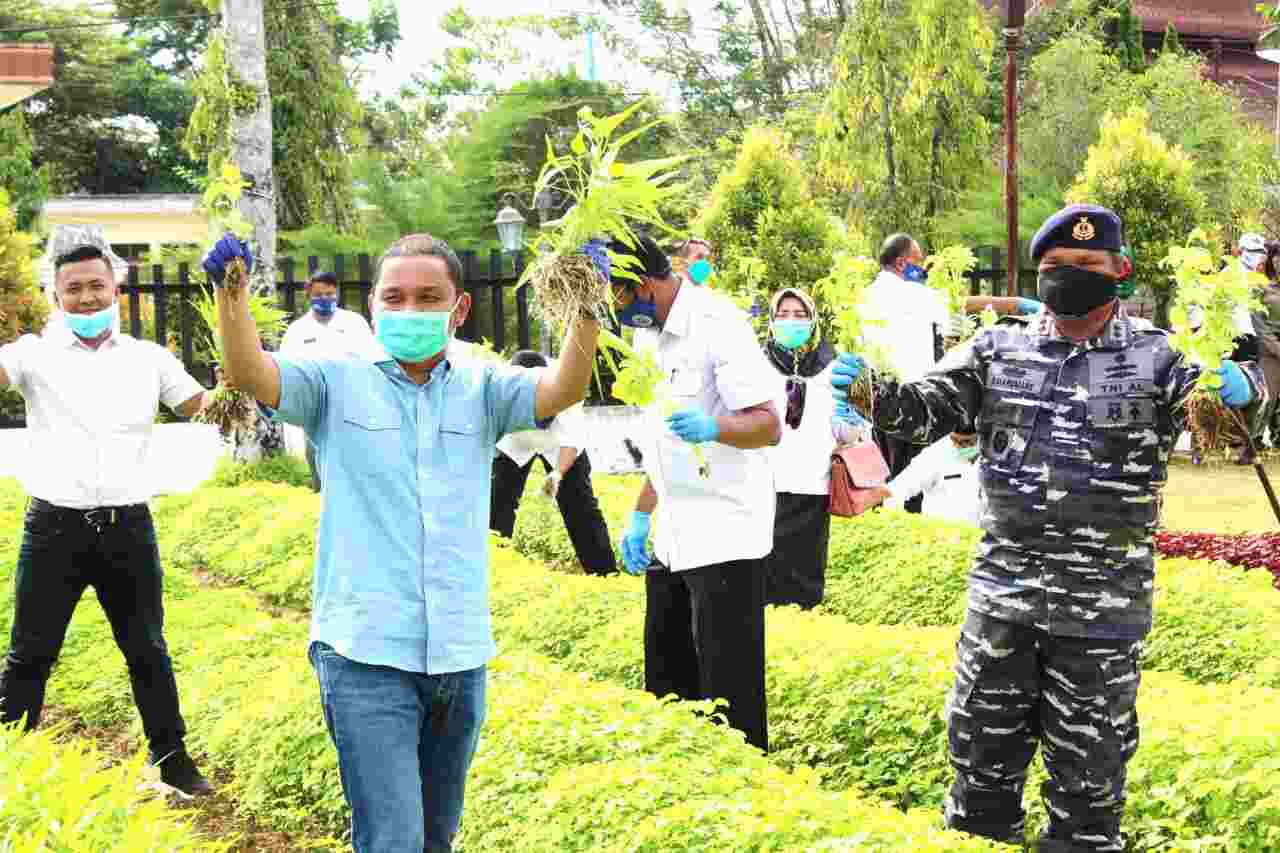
(96, 517)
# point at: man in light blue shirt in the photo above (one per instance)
(404, 441)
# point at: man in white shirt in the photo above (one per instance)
(326, 330)
(560, 447)
(908, 320)
(946, 475)
(92, 394)
(704, 613)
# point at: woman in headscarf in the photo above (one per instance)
(795, 571)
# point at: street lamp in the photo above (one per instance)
(510, 226)
(1272, 54)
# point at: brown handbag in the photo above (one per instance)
(856, 472)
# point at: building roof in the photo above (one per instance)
(1226, 19)
(25, 69)
(136, 204)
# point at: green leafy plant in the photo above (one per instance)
(1215, 288)
(845, 290)
(947, 270)
(231, 410)
(611, 198)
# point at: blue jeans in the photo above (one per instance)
(405, 741)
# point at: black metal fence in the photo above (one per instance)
(157, 301)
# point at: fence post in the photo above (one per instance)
(469, 277)
(340, 273)
(135, 303)
(162, 314)
(522, 305)
(499, 300)
(996, 270)
(366, 284)
(289, 287)
(186, 289)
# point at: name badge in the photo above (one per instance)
(1121, 374)
(1012, 379)
(1121, 412)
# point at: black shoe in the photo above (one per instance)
(177, 770)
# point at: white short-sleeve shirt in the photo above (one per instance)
(566, 430)
(907, 312)
(91, 414)
(712, 361)
(346, 333)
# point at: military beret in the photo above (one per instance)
(1079, 226)
(652, 261)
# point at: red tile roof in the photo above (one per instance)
(26, 63)
(1229, 19)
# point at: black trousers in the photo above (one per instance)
(1017, 688)
(311, 463)
(62, 553)
(796, 570)
(588, 530)
(898, 455)
(704, 639)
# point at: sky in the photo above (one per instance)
(421, 35)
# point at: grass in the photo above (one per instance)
(1220, 497)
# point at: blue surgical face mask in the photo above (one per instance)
(911, 272)
(791, 334)
(324, 306)
(639, 314)
(413, 336)
(90, 326)
(700, 271)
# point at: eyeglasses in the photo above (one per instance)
(795, 401)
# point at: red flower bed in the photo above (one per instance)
(1249, 551)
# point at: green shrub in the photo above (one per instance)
(1212, 623)
(59, 795)
(555, 748)
(862, 704)
(281, 468)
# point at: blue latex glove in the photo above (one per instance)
(848, 367)
(635, 545)
(215, 263)
(845, 413)
(1028, 306)
(694, 426)
(1235, 390)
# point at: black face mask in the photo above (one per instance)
(1070, 293)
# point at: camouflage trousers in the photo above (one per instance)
(1016, 688)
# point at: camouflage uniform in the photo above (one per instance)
(1075, 442)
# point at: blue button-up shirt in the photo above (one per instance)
(401, 574)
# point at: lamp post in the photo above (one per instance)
(1014, 16)
(510, 226)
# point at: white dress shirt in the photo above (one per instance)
(950, 485)
(907, 312)
(346, 333)
(711, 361)
(91, 413)
(802, 460)
(565, 431)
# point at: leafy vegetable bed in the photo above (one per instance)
(1247, 550)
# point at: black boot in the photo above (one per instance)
(177, 770)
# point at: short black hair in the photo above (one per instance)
(529, 358)
(894, 247)
(423, 245)
(325, 277)
(650, 261)
(78, 254)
